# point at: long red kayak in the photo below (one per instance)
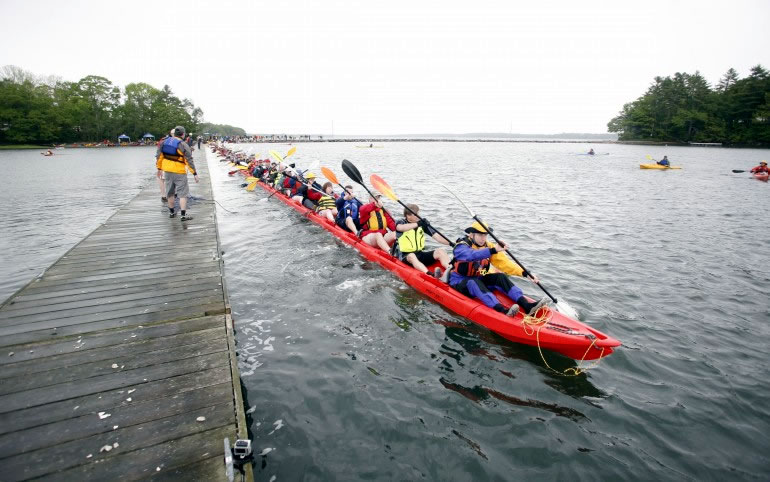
(561, 334)
(761, 176)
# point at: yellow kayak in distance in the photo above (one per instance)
(657, 166)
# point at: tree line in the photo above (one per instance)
(685, 108)
(46, 110)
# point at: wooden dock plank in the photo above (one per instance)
(124, 342)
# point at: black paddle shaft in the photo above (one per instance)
(355, 175)
(451, 243)
(512, 256)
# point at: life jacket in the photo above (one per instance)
(412, 241)
(470, 268)
(171, 151)
(376, 221)
(326, 202)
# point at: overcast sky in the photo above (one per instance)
(391, 67)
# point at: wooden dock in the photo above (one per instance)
(119, 361)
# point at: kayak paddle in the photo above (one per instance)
(382, 186)
(355, 175)
(738, 170)
(474, 216)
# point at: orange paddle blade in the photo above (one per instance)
(328, 174)
(382, 186)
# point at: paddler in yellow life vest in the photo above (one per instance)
(376, 224)
(327, 207)
(470, 274)
(173, 159)
(410, 243)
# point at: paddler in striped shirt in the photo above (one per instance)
(327, 206)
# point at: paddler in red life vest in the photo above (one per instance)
(470, 275)
(375, 223)
(762, 167)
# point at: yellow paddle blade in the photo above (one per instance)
(231, 164)
(650, 158)
(291, 151)
(251, 186)
(276, 156)
(328, 174)
(251, 179)
(241, 168)
(382, 186)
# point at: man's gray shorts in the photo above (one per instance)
(176, 184)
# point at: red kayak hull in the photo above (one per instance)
(561, 334)
(761, 176)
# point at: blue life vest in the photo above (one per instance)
(170, 149)
(349, 209)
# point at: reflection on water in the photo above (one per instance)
(54, 202)
(357, 366)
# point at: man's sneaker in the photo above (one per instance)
(186, 217)
(437, 273)
(532, 311)
(172, 215)
(163, 199)
(513, 310)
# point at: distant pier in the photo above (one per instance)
(119, 362)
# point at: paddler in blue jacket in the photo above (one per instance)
(664, 162)
(347, 210)
(470, 275)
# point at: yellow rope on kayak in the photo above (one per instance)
(535, 322)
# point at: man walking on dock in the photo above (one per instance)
(174, 158)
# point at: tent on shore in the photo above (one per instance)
(123, 138)
(148, 136)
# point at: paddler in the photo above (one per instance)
(347, 207)
(326, 204)
(762, 167)
(308, 194)
(377, 227)
(410, 242)
(470, 274)
(664, 162)
(591, 152)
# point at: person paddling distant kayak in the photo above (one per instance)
(470, 275)
(762, 167)
(591, 152)
(664, 162)
(410, 242)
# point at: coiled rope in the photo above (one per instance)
(537, 321)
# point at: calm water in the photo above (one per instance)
(353, 375)
(350, 374)
(51, 203)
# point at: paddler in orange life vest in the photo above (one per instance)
(375, 223)
(470, 274)
(762, 167)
